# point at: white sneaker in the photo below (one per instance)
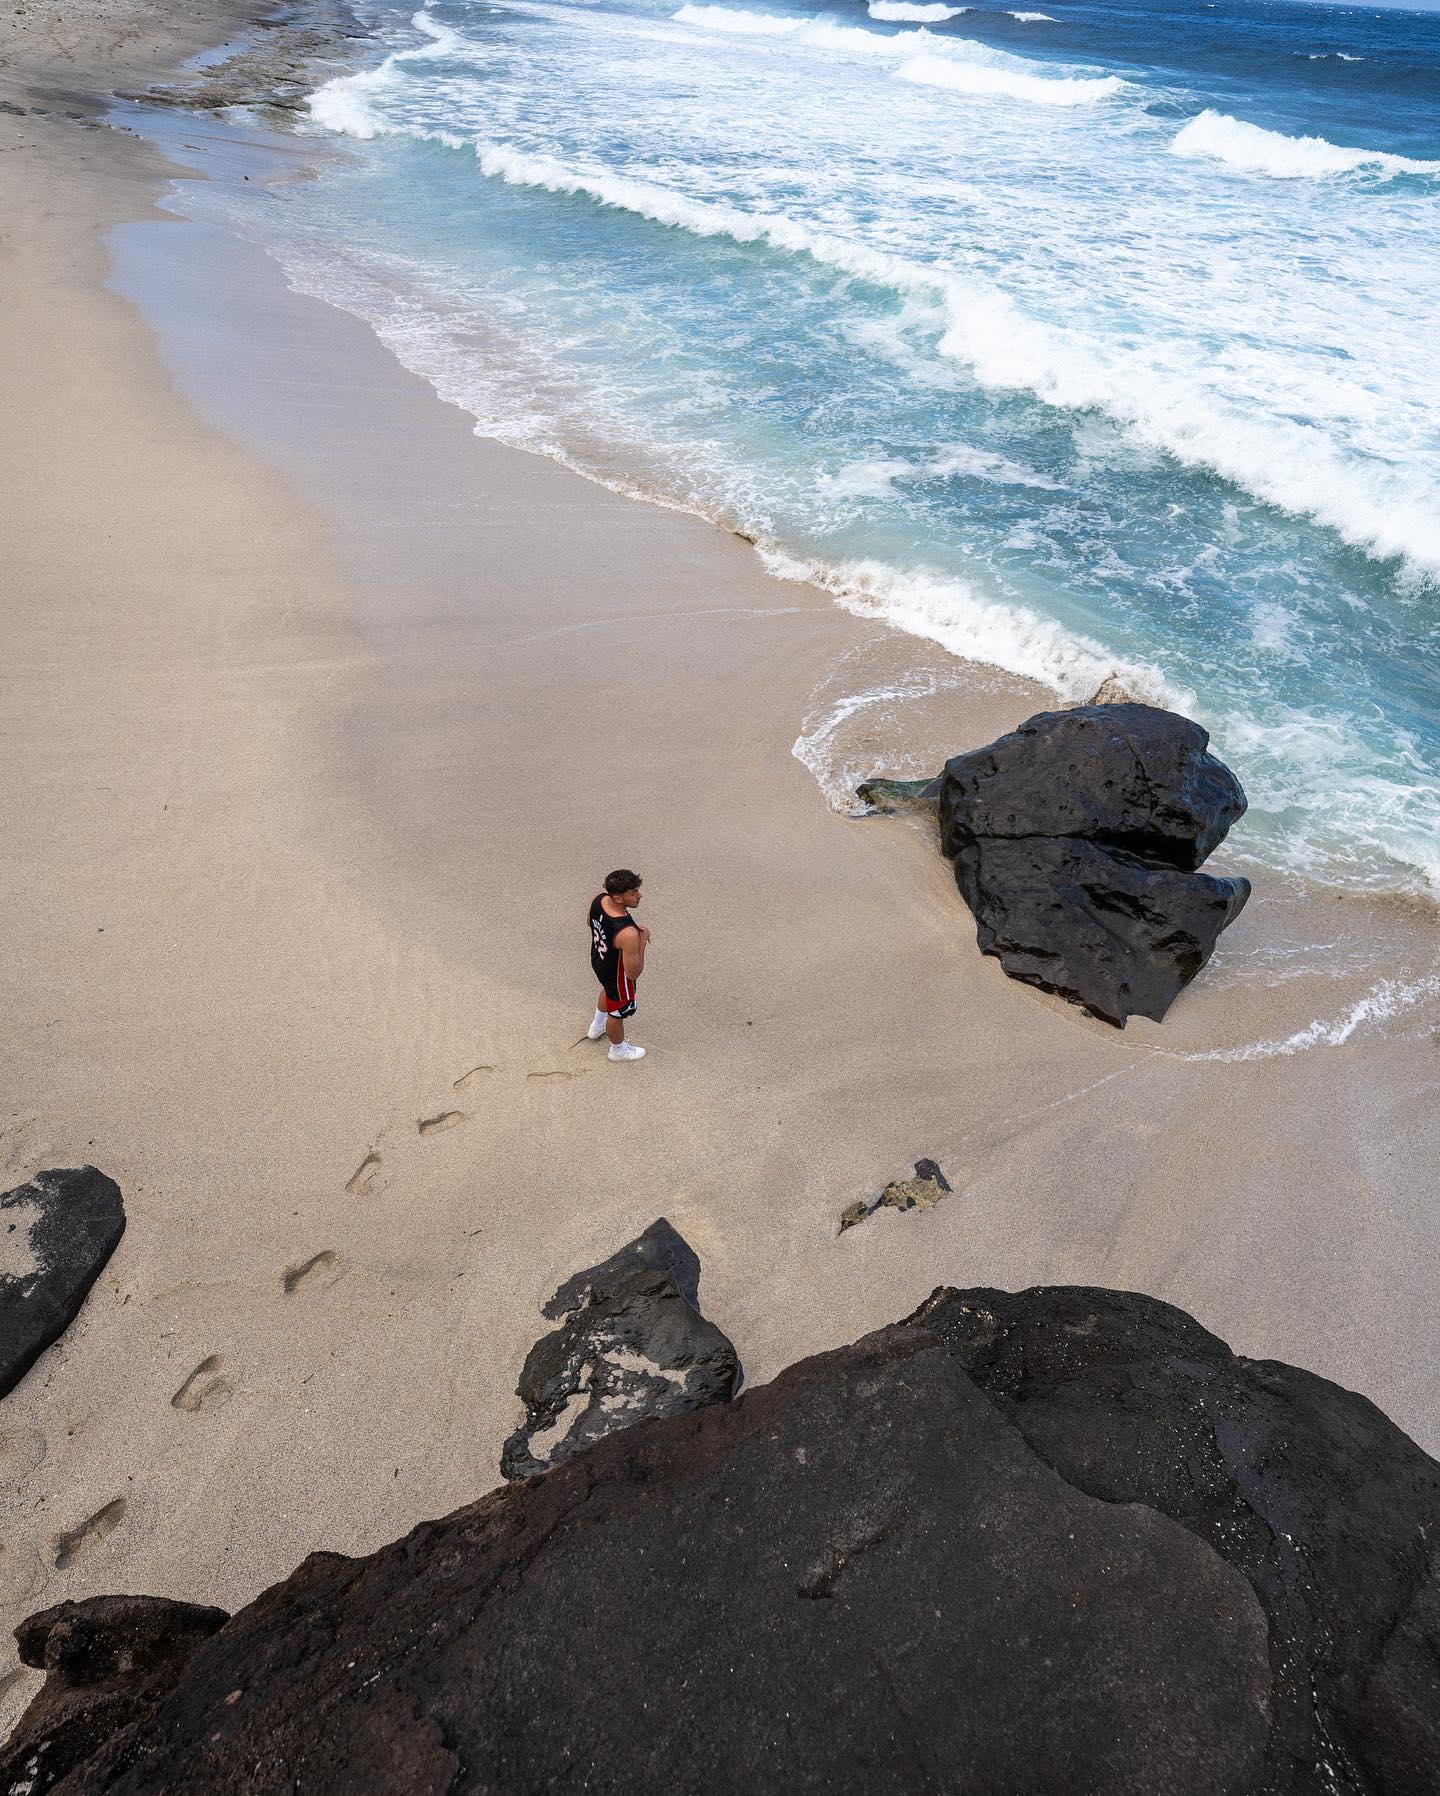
(597, 1026)
(626, 1050)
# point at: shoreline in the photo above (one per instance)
(376, 669)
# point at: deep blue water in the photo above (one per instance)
(1097, 341)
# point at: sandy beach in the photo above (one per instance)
(322, 718)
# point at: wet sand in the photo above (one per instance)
(322, 719)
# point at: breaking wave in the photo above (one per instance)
(1293, 466)
(973, 626)
(1040, 90)
(1256, 151)
(896, 11)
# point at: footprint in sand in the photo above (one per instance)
(206, 1388)
(316, 1274)
(77, 1542)
(364, 1175)
(436, 1125)
(473, 1077)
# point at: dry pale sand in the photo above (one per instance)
(321, 719)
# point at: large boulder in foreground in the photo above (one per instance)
(56, 1233)
(1331, 1512)
(1061, 1541)
(107, 1661)
(632, 1346)
(1076, 840)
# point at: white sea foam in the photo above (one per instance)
(819, 33)
(981, 464)
(348, 103)
(876, 479)
(927, 60)
(1383, 1001)
(1034, 18)
(975, 627)
(903, 11)
(818, 745)
(864, 479)
(1254, 150)
(977, 79)
(1387, 512)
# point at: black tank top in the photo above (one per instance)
(604, 955)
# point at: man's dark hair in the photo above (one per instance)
(621, 880)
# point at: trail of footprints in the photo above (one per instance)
(209, 1386)
(369, 1175)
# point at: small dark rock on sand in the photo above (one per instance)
(922, 1192)
(56, 1233)
(633, 1345)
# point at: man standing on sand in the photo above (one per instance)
(617, 959)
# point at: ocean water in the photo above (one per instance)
(1098, 339)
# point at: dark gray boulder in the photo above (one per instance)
(56, 1233)
(857, 1579)
(633, 1345)
(1076, 841)
(108, 1660)
(1129, 777)
(1039, 1543)
(1099, 927)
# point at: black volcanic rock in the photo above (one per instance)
(633, 1346)
(1075, 842)
(1037, 1544)
(1331, 1512)
(1131, 777)
(108, 1660)
(56, 1233)
(857, 1579)
(1102, 929)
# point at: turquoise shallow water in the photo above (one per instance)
(1083, 338)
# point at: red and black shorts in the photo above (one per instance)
(619, 989)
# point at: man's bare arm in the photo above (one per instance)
(632, 943)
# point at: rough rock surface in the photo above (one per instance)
(633, 1345)
(922, 1192)
(56, 1233)
(1038, 1543)
(1330, 1512)
(108, 1661)
(1075, 842)
(858, 1579)
(276, 66)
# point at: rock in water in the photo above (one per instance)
(108, 1660)
(1076, 842)
(1060, 1541)
(56, 1233)
(633, 1345)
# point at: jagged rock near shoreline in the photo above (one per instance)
(633, 1345)
(278, 65)
(1056, 1541)
(56, 1233)
(107, 1661)
(1076, 842)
